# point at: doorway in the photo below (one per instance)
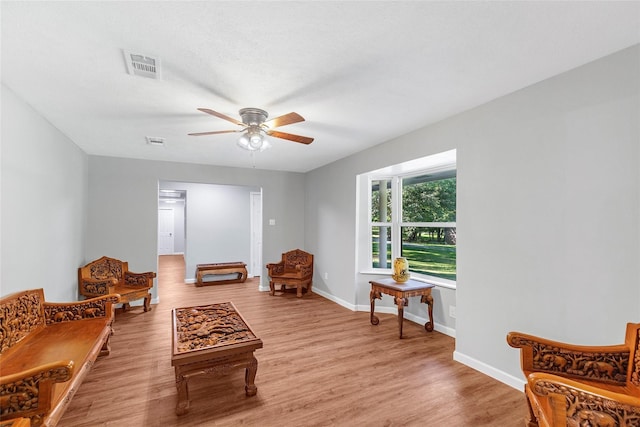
(255, 268)
(165, 231)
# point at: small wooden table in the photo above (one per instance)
(401, 293)
(211, 339)
(220, 268)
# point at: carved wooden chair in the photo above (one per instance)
(295, 269)
(576, 386)
(111, 276)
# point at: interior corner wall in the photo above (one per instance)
(44, 199)
(548, 212)
(123, 206)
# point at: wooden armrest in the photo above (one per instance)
(574, 403)
(305, 270)
(607, 364)
(139, 280)
(27, 390)
(275, 268)
(101, 306)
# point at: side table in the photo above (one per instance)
(401, 293)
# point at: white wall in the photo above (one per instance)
(123, 206)
(44, 194)
(548, 213)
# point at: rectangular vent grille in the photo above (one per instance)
(142, 65)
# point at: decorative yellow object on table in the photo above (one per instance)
(401, 270)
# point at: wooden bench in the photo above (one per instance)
(221, 268)
(573, 385)
(46, 351)
(112, 276)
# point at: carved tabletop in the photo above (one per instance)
(211, 339)
(401, 293)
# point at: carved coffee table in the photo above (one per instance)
(401, 293)
(211, 339)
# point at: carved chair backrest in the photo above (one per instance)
(20, 314)
(633, 341)
(296, 257)
(106, 268)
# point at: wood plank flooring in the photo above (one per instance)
(321, 365)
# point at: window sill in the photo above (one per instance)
(441, 283)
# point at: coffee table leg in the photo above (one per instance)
(250, 376)
(183, 393)
(400, 302)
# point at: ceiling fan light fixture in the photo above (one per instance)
(253, 141)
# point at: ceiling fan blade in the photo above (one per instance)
(214, 132)
(290, 137)
(287, 119)
(221, 116)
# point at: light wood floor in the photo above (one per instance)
(321, 365)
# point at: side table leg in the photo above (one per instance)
(400, 302)
(373, 295)
(250, 376)
(428, 299)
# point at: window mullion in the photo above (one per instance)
(396, 216)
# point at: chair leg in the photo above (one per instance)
(147, 303)
(299, 292)
(272, 287)
(531, 420)
(106, 348)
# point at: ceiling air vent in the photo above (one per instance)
(142, 65)
(154, 140)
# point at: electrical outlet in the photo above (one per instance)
(326, 276)
(452, 311)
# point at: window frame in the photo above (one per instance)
(396, 224)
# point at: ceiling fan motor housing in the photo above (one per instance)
(253, 116)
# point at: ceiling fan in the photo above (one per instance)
(255, 127)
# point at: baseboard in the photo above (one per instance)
(333, 298)
(494, 373)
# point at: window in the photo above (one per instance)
(414, 216)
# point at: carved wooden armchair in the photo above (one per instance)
(581, 386)
(111, 276)
(295, 269)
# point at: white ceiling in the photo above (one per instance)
(360, 73)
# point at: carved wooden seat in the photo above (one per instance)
(46, 351)
(295, 269)
(112, 276)
(575, 386)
